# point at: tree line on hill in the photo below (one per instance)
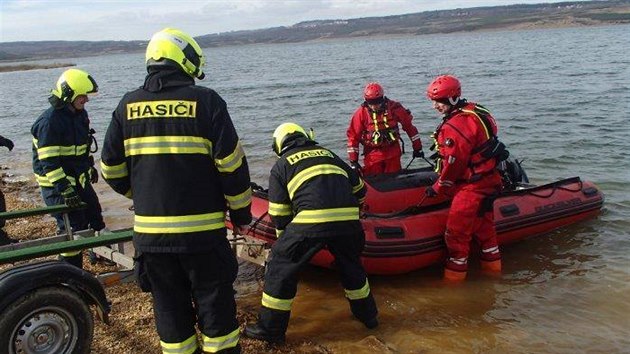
(564, 14)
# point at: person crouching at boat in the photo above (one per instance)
(314, 200)
(467, 153)
(375, 126)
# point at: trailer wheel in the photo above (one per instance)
(47, 320)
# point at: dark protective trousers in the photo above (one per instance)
(4, 238)
(79, 219)
(193, 288)
(291, 252)
(92, 216)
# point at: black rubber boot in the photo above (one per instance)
(371, 323)
(365, 311)
(255, 331)
(5, 239)
(76, 261)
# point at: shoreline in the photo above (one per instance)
(26, 67)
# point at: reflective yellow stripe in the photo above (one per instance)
(215, 344)
(277, 209)
(44, 181)
(358, 187)
(70, 254)
(326, 215)
(311, 172)
(83, 178)
(81, 149)
(275, 303)
(56, 151)
(152, 145)
(232, 161)
(179, 224)
(116, 171)
(56, 175)
(49, 151)
(279, 233)
(239, 201)
(480, 121)
(358, 293)
(186, 347)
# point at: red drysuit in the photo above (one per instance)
(467, 174)
(378, 133)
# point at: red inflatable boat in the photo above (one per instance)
(404, 231)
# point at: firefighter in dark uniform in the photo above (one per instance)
(63, 166)
(172, 147)
(314, 201)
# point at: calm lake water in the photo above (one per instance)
(562, 101)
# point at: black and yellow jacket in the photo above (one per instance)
(171, 147)
(61, 148)
(313, 192)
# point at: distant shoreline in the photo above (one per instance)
(24, 67)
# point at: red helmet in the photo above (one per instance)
(444, 87)
(372, 91)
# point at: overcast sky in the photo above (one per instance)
(36, 20)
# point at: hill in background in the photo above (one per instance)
(565, 14)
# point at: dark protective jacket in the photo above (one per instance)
(378, 132)
(172, 147)
(61, 148)
(313, 192)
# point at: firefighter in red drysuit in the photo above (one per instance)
(375, 126)
(467, 154)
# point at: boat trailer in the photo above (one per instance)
(45, 305)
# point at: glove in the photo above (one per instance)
(93, 175)
(6, 142)
(418, 153)
(430, 192)
(355, 165)
(70, 197)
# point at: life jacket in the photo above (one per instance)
(380, 132)
(491, 149)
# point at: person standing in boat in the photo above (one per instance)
(375, 126)
(314, 200)
(171, 146)
(467, 153)
(63, 165)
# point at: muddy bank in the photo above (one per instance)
(132, 328)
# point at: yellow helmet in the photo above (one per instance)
(179, 47)
(284, 131)
(73, 83)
